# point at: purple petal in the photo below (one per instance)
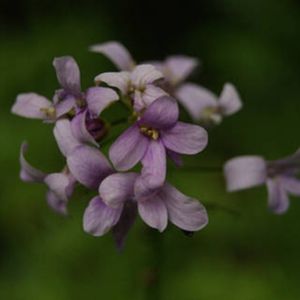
(63, 134)
(121, 229)
(119, 80)
(195, 99)
(65, 106)
(229, 100)
(162, 113)
(142, 99)
(154, 170)
(244, 172)
(80, 131)
(278, 200)
(31, 105)
(154, 213)
(185, 212)
(117, 188)
(175, 157)
(179, 67)
(117, 53)
(29, 173)
(68, 74)
(99, 218)
(185, 138)
(291, 184)
(89, 166)
(56, 203)
(128, 149)
(143, 75)
(98, 98)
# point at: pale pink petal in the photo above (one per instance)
(278, 200)
(143, 75)
(119, 80)
(229, 100)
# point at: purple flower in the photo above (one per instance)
(69, 97)
(148, 139)
(279, 176)
(60, 185)
(139, 84)
(206, 107)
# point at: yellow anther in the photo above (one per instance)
(150, 132)
(49, 111)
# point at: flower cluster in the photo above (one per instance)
(151, 92)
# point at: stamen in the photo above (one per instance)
(49, 111)
(149, 132)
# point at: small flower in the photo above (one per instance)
(139, 84)
(279, 176)
(147, 140)
(60, 185)
(116, 195)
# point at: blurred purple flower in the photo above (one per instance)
(148, 139)
(280, 176)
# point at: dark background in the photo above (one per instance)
(245, 252)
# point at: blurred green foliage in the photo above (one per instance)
(247, 255)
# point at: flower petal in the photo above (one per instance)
(31, 105)
(154, 170)
(291, 184)
(63, 134)
(117, 53)
(179, 67)
(80, 131)
(64, 106)
(68, 74)
(154, 213)
(229, 100)
(121, 229)
(99, 218)
(185, 138)
(29, 173)
(128, 149)
(195, 99)
(143, 75)
(245, 172)
(185, 212)
(117, 188)
(89, 166)
(56, 203)
(142, 99)
(278, 200)
(119, 80)
(98, 98)
(162, 113)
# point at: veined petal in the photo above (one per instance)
(117, 53)
(143, 75)
(185, 138)
(29, 173)
(195, 99)
(80, 131)
(63, 134)
(229, 100)
(68, 74)
(98, 98)
(150, 94)
(64, 106)
(291, 184)
(185, 212)
(56, 203)
(154, 213)
(245, 172)
(153, 173)
(119, 80)
(31, 105)
(179, 67)
(162, 113)
(128, 149)
(99, 218)
(89, 166)
(117, 188)
(278, 200)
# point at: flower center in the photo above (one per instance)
(149, 132)
(49, 111)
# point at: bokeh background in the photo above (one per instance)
(245, 252)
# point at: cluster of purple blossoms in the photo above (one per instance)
(152, 92)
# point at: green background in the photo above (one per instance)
(245, 252)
